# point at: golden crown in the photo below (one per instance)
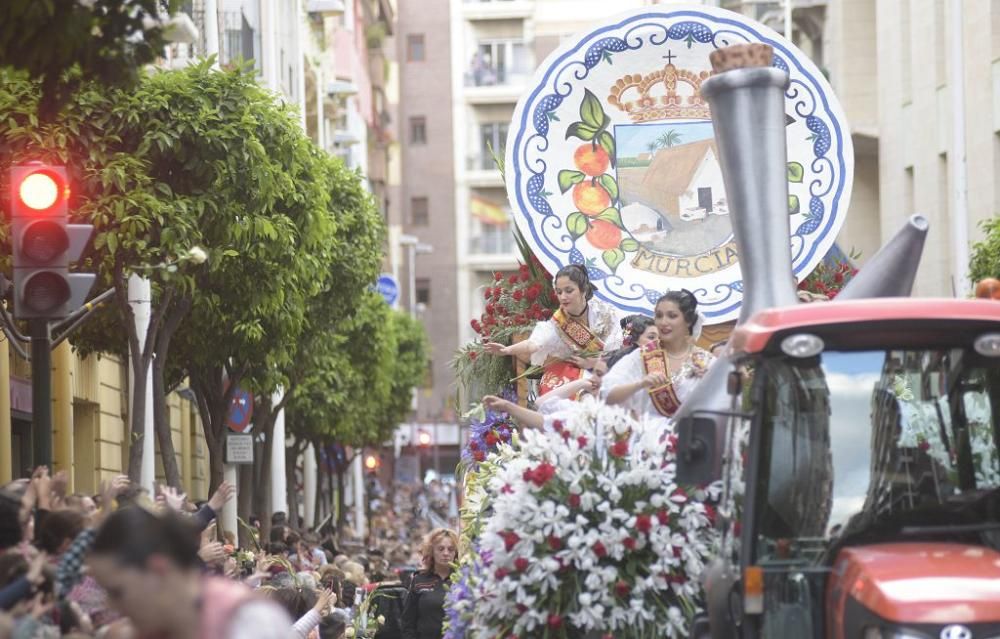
(654, 96)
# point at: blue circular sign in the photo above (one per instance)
(240, 411)
(388, 288)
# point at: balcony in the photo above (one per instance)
(482, 172)
(497, 9)
(491, 85)
(494, 245)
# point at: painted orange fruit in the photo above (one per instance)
(592, 160)
(988, 288)
(590, 199)
(604, 235)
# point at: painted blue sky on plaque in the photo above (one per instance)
(611, 160)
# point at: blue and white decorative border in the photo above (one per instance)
(809, 96)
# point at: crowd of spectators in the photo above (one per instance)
(122, 565)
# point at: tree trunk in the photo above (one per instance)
(213, 404)
(341, 511)
(244, 502)
(161, 416)
(318, 505)
(291, 458)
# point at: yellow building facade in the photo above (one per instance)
(90, 422)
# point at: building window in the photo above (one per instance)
(419, 211)
(423, 295)
(415, 47)
(492, 139)
(418, 130)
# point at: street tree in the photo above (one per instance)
(66, 43)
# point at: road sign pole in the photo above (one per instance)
(41, 392)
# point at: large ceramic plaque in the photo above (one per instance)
(611, 160)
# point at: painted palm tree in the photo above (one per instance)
(668, 139)
(652, 146)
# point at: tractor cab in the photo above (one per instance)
(861, 473)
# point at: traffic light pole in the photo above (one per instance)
(41, 392)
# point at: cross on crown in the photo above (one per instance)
(655, 96)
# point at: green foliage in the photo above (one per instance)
(985, 260)
(63, 43)
(373, 360)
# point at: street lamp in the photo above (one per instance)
(415, 247)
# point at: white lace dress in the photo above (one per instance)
(551, 343)
(629, 369)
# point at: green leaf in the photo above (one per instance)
(568, 178)
(609, 185)
(582, 131)
(795, 172)
(607, 142)
(612, 215)
(629, 245)
(577, 224)
(613, 257)
(793, 205)
(111, 242)
(591, 111)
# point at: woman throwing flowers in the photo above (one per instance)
(569, 342)
(654, 380)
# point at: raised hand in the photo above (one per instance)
(492, 402)
(221, 496)
(173, 498)
(212, 553)
(324, 600)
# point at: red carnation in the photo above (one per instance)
(476, 326)
(710, 513)
(554, 542)
(643, 523)
(533, 291)
(524, 269)
(557, 425)
(620, 448)
(525, 276)
(573, 500)
(663, 517)
(507, 490)
(491, 438)
(473, 355)
(512, 280)
(510, 539)
(490, 309)
(501, 573)
(599, 549)
(555, 621)
(497, 275)
(518, 295)
(622, 588)
(581, 441)
(521, 564)
(629, 543)
(479, 456)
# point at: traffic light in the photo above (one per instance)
(424, 438)
(44, 243)
(372, 462)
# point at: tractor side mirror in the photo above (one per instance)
(697, 449)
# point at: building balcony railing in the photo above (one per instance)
(499, 242)
(492, 76)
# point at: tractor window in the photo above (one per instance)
(859, 441)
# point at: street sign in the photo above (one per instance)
(239, 449)
(388, 288)
(240, 411)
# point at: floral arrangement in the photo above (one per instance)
(487, 430)
(586, 532)
(514, 303)
(365, 623)
(827, 280)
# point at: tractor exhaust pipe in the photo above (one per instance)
(891, 271)
(747, 98)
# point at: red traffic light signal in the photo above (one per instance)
(424, 438)
(44, 243)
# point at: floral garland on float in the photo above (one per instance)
(581, 531)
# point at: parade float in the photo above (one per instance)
(611, 163)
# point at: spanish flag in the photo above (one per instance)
(487, 211)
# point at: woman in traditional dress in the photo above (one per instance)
(570, 342)
(653, 381)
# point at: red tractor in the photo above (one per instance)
(856, 440)
(861, 474)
